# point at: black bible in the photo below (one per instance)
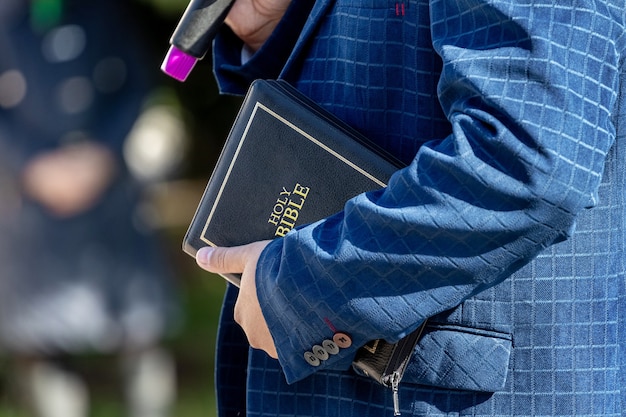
(286, 162)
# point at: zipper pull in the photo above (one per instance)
(395, 387)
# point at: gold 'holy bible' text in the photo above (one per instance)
(287, 209)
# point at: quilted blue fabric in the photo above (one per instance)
(506, 228)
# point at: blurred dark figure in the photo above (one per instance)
(80, 272)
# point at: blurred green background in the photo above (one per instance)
(207, 117)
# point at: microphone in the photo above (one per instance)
(193, 36)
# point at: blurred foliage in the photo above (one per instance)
(167, 7)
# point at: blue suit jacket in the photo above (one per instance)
(506, 229)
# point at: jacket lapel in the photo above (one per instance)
(319, 10)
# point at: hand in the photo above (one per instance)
(242, 260)
(69, 180)
(254, 20)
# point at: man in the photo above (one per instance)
(506, 228)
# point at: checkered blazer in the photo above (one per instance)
(506, 228)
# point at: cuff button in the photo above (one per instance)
(320, 352)
(311, 359)
(330, 347)
(342, 340)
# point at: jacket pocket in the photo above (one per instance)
(462, 358)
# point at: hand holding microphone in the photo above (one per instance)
(252, 20)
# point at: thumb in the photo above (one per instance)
(221, 260)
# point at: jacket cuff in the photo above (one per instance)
(300, 335)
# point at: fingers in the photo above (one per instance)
(248, 313)
(249, 316)
(234, 259)
(222, 260)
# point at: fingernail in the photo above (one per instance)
(202, 256)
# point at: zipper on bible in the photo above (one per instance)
(397, 364)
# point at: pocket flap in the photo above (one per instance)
(463, 358)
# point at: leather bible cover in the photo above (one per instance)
(286, 162)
